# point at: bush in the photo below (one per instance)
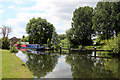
(13, 49)
(19, 42)
(74, 46)
(80, 46)
(114, 44)
(5, 43)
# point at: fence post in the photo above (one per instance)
(95, 52)
(60, 49)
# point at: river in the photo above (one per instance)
(51, 64)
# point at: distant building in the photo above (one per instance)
(14, 39)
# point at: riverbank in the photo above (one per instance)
(13, 67)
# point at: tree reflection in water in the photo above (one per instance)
(40, 65)
(84, 67)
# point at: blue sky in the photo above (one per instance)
(17, 13)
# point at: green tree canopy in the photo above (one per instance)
(39, 30)
(55, 40)
(106, 19)
(62, 36)
(81, 31)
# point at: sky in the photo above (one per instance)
(17, 13)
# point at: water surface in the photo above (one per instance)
(74, 65)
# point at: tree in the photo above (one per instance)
(5, 31)
(115, 16)
(55, 41)
(114, 44)
(25, 39)
(5, 43)
(71, 38)
(81, 31)
(39, 30)
(106, 19)
(48, 42)
(62, 36)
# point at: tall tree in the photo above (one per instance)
(106, 19)
(39, 30)
(81, 31)
(62, 36)
(55, 40)
(115, 16)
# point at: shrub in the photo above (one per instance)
(19, 42)
(114, 44)
(5, 43)
(74, 46)
(13, 49)
(80, 46)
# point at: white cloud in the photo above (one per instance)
(19, 23)
(2, 11)
(11, 7)
(60, 68)
(58, 13)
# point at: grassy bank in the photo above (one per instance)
(0, 64)
(13, 67)
(92, 47)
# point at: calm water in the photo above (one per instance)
(74, 65)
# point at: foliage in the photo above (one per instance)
(5, 43)
(74, 46)
(115, 16)
(5, 31)
(39, 30)
(25, 39)
(113, 44)
(65, 42)
(19, 42)
(48, 42)
(92, 47)
(55, 40)
(104, 42)
(81, 31)
(80, 47)
(62, 36)
(13, 49)
(106, 19)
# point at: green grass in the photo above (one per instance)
(12, 66)
(0, 64)
(92, 47)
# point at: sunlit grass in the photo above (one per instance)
(0, 64)
(12, 66)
